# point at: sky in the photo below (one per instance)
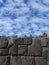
(24, 17)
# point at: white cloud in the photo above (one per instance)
(10, 33)
(44, 28)
(1, 1)
(34, 26)
(37, 33)
(38, 20)
(40, 6)
(23, 21)
(18, 1)
(46, 2)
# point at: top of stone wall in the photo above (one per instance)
(21, 40)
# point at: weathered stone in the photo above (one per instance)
(22, 50)
(4, 52)
(48, 42)
(35, 49)
(13, 50)
(4, 60)
(24, 41)
(27, 60)
(28, 40)
(15, 60)
(44, 41)
(44, 34)
(45, 53)
(40, 61)
(48, 55)
(48, 62)
(11, 39)
(3, 42)
(19, 60)
(19, 41)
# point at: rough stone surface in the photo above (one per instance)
(28, 60)
(4, 52)
(24, 51)
(48, 62)
(4, 60)
(44, 41)
(19, 41)
(13, 50)
(3, 42)
(35, 49)
(28, 40)
(14, 60)
(40, 61)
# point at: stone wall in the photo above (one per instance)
(24, 51)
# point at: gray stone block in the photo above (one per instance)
(3, 42)
(48, 62)
(44, 41)
(27, 60)
(4, 52)
(19, 60)
(11, 39)
(19, 41)
(13, 50)
(24, 41)
(15, 60)
(48, 55)
(40, 61)
(22, 50)
(35, 49)
(48, 42)
(28, 40)
(4, 60)
(45, 53)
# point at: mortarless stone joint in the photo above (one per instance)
(32, 50)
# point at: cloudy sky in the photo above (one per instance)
(24, 17)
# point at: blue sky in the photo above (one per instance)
(24, 17)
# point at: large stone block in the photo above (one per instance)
(28, 40)
(44, 41)
(19, 41)
(48, 62)
(3, 42)
(48, 55)
(24, 41)
(22, 50)
(19, 60)
(35, 49)
(15, 60)
(45, 53)
(40, 61)
(11, 40)
(27, 60)
(48, 42)
(4, 52)
(4, 60)
(13, 50)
